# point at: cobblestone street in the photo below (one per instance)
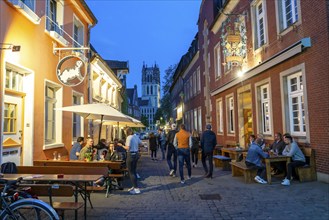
(224, 197)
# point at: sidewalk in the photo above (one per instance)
(224, 197)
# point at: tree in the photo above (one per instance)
(166, 106)
(145, 120)
(159, 116)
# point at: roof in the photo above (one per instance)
(118, 65)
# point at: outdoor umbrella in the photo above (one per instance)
(134, 123)
(100, 111)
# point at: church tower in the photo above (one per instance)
(150, 100)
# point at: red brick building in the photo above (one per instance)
(263, 69)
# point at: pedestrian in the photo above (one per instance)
(131, 145)
(183, 144)
(162, 142)
(298, 159)
(76, 148)
(208, 144)
(171, 151)
(195, 147)
(153, 146)
(254, 160)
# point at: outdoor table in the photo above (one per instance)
(271, 159)
(233, 152)
(73, 179)
(81, 163)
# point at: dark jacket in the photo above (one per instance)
(208, 141)
(170, 139)
(153, 143)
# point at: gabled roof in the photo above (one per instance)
(118, 65)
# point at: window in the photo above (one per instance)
(10, 113)
(53, 99)
(14, 80)
(194, 84)
(218, 63)
(195, 119)
(29, 3)
(265, 109)
(78, 33)
(198, 79)
(230, 114)
(50, 115)
(77, 122)
(219, 116)
(296, 104)
(199, 119)
(55, 15)
(260, 25)
(288, 13)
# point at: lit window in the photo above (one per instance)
(10, 118)
(230, 114)
(219, 116)
(218, 63)
(77, 121)
(265, 109)
(260, 34)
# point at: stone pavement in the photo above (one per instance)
(225, 197)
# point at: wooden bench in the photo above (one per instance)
(307, 172)
(222, 161)
(240, 168)
(55, 190)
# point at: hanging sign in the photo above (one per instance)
(71, 70)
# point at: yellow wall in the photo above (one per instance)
(37, 55)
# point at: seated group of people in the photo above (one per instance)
(111, 151)
(281, 146)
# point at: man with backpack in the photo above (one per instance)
(172, 152)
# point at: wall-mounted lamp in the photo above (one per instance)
(13, 48)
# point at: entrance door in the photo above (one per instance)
(245, 118)
(13, 127)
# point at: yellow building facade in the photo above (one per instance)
(34, 38)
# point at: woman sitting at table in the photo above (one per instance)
(254, 160)
(298, 159)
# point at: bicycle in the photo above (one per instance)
(23, 208)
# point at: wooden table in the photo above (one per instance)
(271, 159)
(233, 152)
(75, 180)
(109, 164)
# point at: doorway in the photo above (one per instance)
(245, 115)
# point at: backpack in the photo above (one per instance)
(8, 167)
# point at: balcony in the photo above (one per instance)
(25, 10)
(56, 31)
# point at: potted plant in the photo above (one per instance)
(88, 156)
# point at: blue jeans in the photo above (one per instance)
(172, 152)
(132, 159)
(163, 149)
(184, 155)
(261, 170)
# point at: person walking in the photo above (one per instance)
(131, 145)
(208, 143)
(183, 143)
(195, 147)
(153, 146)
(162, 142)
(172, 152)
(76, 148)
